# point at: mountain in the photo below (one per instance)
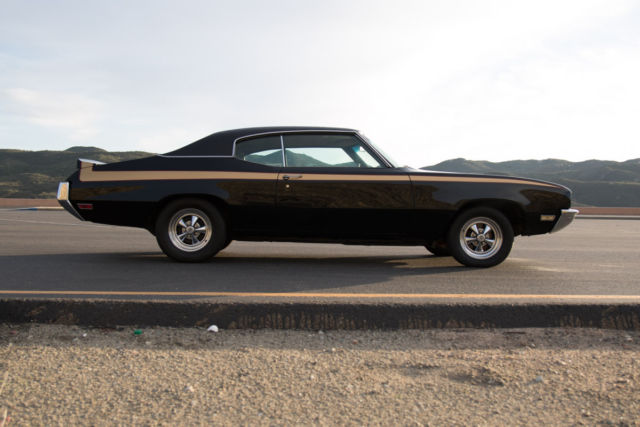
(35, 174)
(294, 159)
(594, 182)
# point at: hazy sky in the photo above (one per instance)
(425, 80)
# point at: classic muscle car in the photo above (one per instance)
(310, 184)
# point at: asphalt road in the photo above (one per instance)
(51, 254)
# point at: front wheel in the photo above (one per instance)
(480, 237)
(190, 230)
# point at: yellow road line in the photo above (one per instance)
(324, 295)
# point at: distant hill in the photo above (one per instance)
(35, 174)
(293, 159)
(594, 182)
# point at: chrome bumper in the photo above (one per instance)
(63, 199)
(566, 217)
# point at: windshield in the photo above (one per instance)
(389, 159)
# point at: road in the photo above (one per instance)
(51, 254)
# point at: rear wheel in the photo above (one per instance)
(480, 237)
(190, 230)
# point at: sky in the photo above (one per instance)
(425, 80)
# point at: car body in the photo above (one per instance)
(310, 184)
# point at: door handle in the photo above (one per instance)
(288, 177)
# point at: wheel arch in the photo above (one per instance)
(217, 202)
(512, 210)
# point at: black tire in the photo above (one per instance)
(471, 246)
(438, 248)
(190, 230)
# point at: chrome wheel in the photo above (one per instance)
(481, 238)
(190, 230)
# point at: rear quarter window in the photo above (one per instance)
(264, 151)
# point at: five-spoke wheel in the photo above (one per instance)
(480, 237)
(190, 230)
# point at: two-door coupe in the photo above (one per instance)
(310, 184)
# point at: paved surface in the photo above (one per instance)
(47, 252)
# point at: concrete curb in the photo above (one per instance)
(310, 316)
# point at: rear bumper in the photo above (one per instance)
(566, 217)
(63, 199)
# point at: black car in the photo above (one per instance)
(310, 184)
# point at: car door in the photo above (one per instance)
(333, 186)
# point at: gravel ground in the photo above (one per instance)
(67, 375)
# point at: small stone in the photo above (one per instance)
(538, 379)
(84, 335)
(312, 377)
(190, 389)
(213, 328)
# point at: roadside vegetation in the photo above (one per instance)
(35, 174)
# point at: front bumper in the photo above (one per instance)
(63, 199)
(566, 217)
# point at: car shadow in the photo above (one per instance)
(228, 272)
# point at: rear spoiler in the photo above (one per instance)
(85, 163)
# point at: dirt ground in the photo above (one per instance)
(67, 375)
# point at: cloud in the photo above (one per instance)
(425, 80)
(75, 114)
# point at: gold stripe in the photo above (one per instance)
(87, 174)
(420, 178)
(330, 295)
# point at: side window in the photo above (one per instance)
(326, 150)
(265, 151)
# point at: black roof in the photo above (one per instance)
(221, 143)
